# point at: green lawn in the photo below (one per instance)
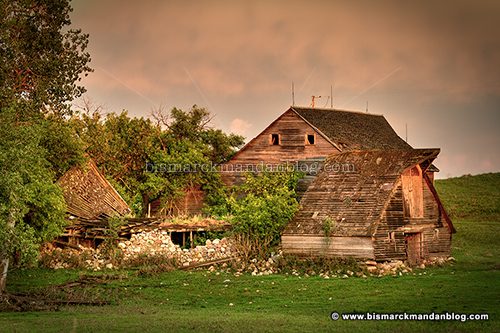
(201, 301)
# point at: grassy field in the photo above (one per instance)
(209, 302)
(471, 196)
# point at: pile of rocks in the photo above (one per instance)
(396, 267)
(159, 243)
(259, 267)
(156, 243)
(362, 269)
(152, 243)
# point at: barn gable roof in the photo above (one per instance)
(353, 130)
(345, 130)
(89, 195)
(353, 189)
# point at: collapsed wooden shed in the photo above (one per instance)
(377, 204)
(89, 195)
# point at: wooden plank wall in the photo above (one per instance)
(412, 192)
(437, 242)
(321, 246)
(390, 243)
(89, 195)
(191, 203)
(292, 130)
(387, 242)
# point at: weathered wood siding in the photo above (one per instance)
(321, 246)
(412, 182)
(431, 210)
(292, 131)
(388, 242)
(437, 242)
(89, 195)
(191, 203)
(292, 148)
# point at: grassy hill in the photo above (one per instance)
(475, 197)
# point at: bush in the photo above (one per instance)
(260, 209)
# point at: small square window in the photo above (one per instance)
(310, 139)
(275, 139)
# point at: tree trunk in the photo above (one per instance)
(145, 204)
(4, 266)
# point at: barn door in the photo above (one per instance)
(414, 248)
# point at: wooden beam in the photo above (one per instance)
(440, 204)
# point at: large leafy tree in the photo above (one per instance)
(32, 208)
(41, 62)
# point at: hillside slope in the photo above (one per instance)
(475, 197)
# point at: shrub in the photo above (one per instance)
(260, 209)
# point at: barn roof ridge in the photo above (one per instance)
(352, 129)
(295, 107)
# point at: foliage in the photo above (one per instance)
(41, 59)
(328, 226)
(32, 207)
(155, 160)
(108, 247)
(261, 207)
(62, 145)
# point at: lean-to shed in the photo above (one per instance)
(377, 204)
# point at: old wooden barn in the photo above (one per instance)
(308, 135)
(377, 204)
(387, 208)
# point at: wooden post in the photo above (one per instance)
(191, 239)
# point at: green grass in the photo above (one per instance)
(199, 301)
(471, 196)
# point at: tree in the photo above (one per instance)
(133, 152)
(32, 207)
(41, 61)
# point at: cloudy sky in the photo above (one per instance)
(433, 65)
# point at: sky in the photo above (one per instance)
(432, 67)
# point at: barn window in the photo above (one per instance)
(275, 140)
(310, 139)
